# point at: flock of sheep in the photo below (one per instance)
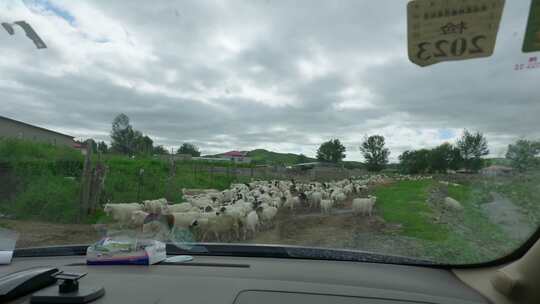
(239, 212)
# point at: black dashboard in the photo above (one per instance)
(243, 280)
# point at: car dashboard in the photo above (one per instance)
(242, 280)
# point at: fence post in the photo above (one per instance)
(97, 184)
(86, 179)
(140, 184)
(172, 175)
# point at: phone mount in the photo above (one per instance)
(70, 281)
(68, 291)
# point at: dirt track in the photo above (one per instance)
(34, 234)
(509, 217)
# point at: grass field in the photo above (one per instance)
(450, 236)
(42, 182)
(405, 203)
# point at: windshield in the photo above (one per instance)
(391, 127)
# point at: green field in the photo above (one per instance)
(466, 236)
(42, 182)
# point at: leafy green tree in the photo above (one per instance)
(190, 149)
(160, 150)
(472, 147)
(127, 140)
(523, 154)
(444, 157)
(94, 146)
(143, 144)
(102, 147)
(331, 151)
(415, 162)
(374, 152)
(122, 135)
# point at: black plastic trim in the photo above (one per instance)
(289, 252)
(513, 256)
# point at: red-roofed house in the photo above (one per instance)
(237, 157)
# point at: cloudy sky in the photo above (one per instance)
(246, 74)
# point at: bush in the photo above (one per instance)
(16, 150)
(51, 198)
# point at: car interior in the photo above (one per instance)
(214, 277)
(252, 237)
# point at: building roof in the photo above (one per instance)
(234, 154)
(35, 127)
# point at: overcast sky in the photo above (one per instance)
(246, 74)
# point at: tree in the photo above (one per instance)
(472, 147)
(94, 146)
(190, 149)
(122, 135)
(522, 154)
(415, 162)
(102, 147)
(444, 157)
(374, 152)
(331, 151)
(143, 144)
(159, 150)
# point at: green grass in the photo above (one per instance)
(489, 241)
(467, 236)
(405, 203)
(49, 198)
(45, 180)
(14, 150)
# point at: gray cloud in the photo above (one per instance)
(280, 75)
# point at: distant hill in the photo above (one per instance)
(262, 156)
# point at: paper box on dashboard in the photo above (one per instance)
(110, 251)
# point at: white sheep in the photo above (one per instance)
(184, 219)
(348, 189)
(121, 212)
(364, 206)
(219, 226)
(452, 204)
(252, 221)
(291, 202)
(138, 217)
(183, 207)
(314, 199)
(326, 205)
(338, 197)
(266, 214)
(158, 206)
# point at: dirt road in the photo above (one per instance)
(35, 234)
(509, 217)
